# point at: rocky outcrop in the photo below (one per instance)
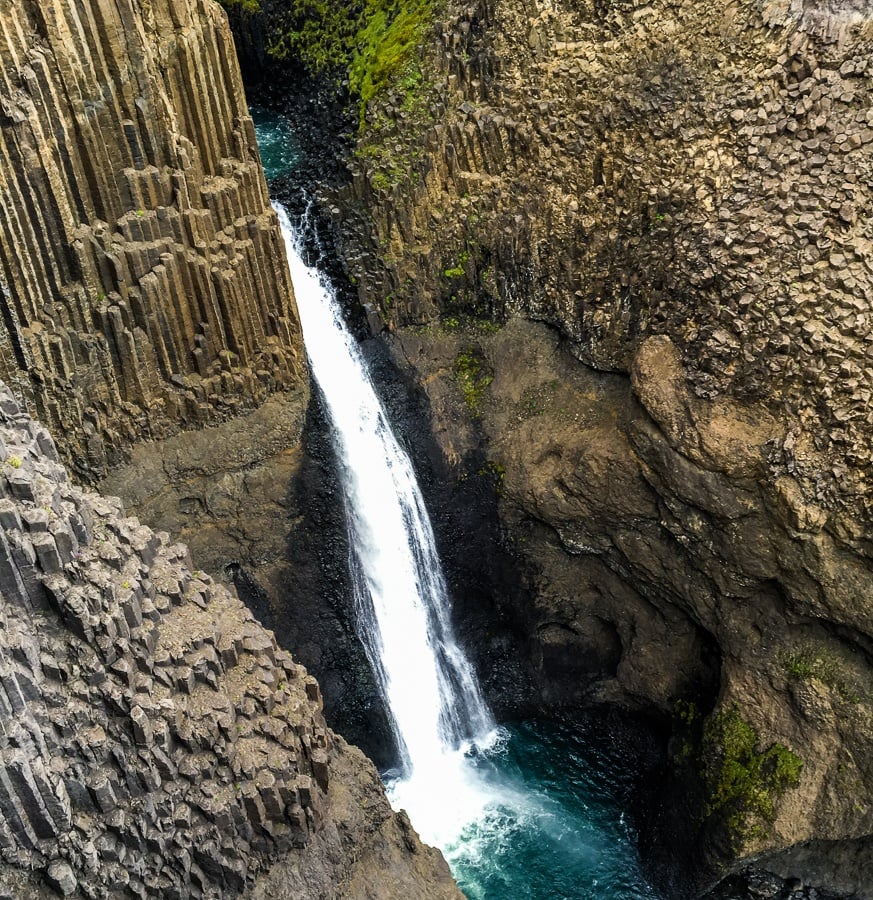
(667, 577)
(621, 170)
(265, 511)
(154, 739)
(142, 267)
(682, 194)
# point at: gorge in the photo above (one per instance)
(463, 783)
(611, 267)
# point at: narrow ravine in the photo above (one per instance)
(518, 812)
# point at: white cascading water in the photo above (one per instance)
(435, 705)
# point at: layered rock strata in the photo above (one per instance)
(154, 740)
(144, 282)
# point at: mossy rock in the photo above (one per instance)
(474, 376)
(743, 782)
(366, 44)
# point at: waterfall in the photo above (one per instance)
(433, 698)
(520, 811)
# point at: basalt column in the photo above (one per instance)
(144, 286)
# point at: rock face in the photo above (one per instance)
(154, 740)
(667, 577)
(682, 194)
(267, 512)
(622, 170)
(142, 267)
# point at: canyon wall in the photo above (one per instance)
(623, 250)
(144, 281)
(154, 739)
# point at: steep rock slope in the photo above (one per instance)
(682, 192)
(154, 740)
(145, 288)
(628, 168)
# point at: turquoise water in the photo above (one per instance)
(560, 832)
(280, 151)
(540, 815)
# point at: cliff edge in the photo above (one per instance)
(623, 249)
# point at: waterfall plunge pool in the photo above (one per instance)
(539, 812)
(543, 817)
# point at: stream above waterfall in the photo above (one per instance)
(532, 810)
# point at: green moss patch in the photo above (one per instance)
(319, 34)
(743, 782)
(457, 270)
(473, 376)
(390, 33)
(371, 43)
(249, 7)
(806, 662)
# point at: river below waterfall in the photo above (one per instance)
(534, 810)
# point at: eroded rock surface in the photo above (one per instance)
(154, 740)
(630, 169)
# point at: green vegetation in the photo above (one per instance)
(382, 181)
(807, 662)
(496, 472)
(370, 42)
(686, 711)
(686, 729)
(473, 377)
(743, 782)
(458, 270)
(801, 664)
(392, 156)
(14, 461)
(391, 32)
(319, 34)
(249, 7)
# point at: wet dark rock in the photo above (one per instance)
(686, 508)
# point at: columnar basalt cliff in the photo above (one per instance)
(680, 196)
(144, 284)
(619, 170)
(154, 740)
